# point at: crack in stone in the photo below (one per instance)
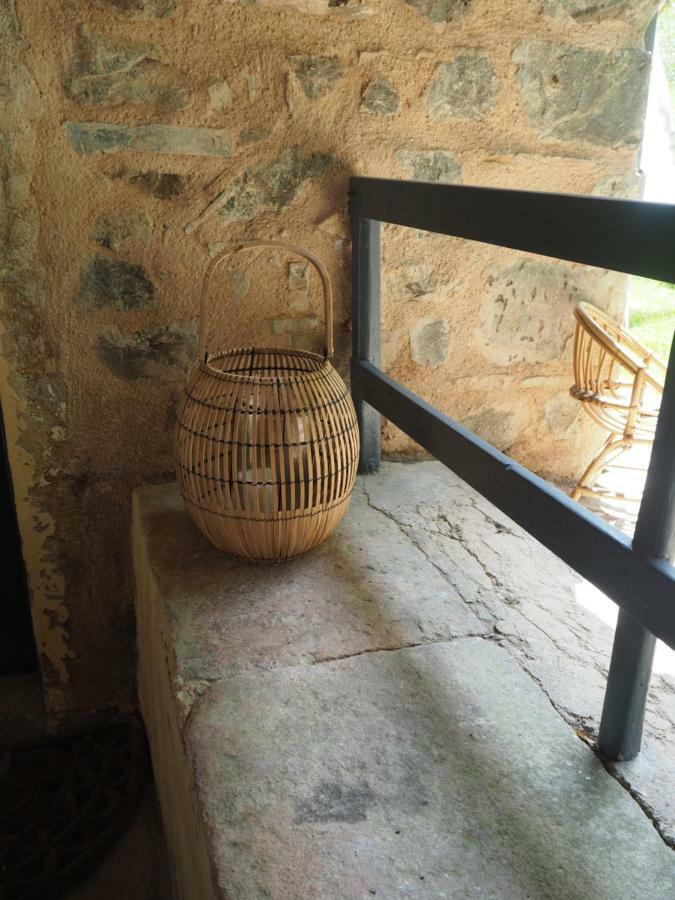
(499, 527)
(456, 534)
(611, 767)
(647, 809)
(444, 640)
(517, 647)
(581, 725)
(540, 628)
(195, 689)
(404, 530)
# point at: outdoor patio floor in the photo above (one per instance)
(408, 710)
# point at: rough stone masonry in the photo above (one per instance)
(138, 136)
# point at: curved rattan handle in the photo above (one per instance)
(246, 245)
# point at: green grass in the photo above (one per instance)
(652, 314)
(652, 303)
(666, 38)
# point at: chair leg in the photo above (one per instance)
(587, 480)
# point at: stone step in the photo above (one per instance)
(346, 726)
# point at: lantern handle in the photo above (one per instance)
(292, 248)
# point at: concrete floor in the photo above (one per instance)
(406, 711)
(137, 866)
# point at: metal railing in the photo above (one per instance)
(628, 236)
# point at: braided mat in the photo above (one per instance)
(63, 801)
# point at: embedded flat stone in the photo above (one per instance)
(270, 185)
(112, 231)
(639, 12)
(160, 352)
(158, 8)
(380, 98)
(161, 185)
(430, 341)
(515, 321)
(114, 283)
(438, 166)
(109, 72)
(100, 137)
(463, 88)
(609, 110)
(441, 10)
(316, 74)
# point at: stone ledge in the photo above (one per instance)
(345, 725)
(425, 772)
(368, 588)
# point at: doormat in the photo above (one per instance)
(63, 802)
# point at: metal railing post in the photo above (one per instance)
(366, 331)
(633, 653)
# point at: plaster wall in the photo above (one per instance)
(140, 136)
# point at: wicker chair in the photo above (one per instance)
(620, 383)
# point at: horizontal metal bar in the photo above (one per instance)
(625, 235)
(643, 587)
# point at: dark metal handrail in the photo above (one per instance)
(628, 236)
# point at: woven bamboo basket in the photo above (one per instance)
(266, 441)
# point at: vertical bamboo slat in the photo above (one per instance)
(266, 440)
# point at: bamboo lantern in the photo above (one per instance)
(266, 441)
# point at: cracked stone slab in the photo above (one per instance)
(202, 616)
(422, 563)
(414, 773)
(557, 625)
(364, 589)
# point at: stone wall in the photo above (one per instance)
(139, 136)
